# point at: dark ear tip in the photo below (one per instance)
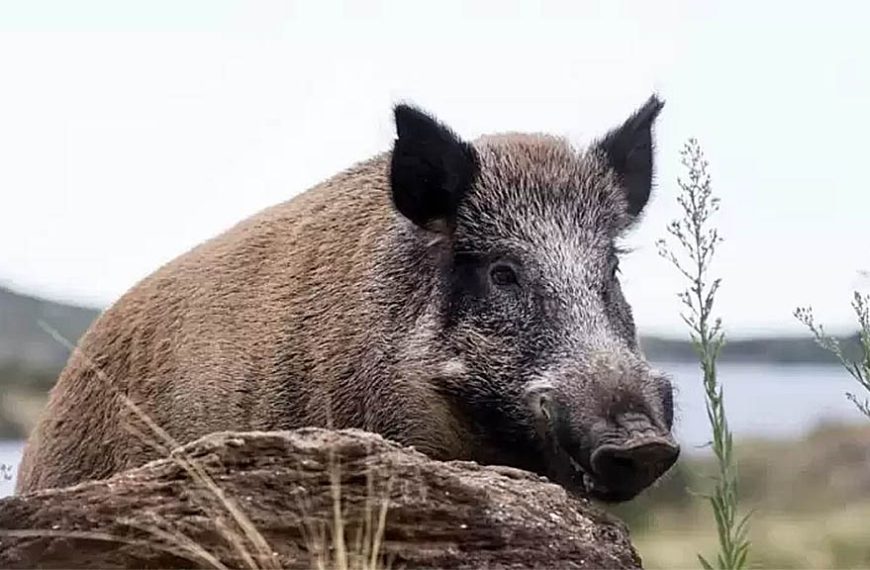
(652, 107)
(401, 110)
(408, 116)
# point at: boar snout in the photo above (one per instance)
(624, 468)
(610, 459)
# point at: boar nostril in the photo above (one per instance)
(636, 464)
(623, 463)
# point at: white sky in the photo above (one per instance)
(130, 131)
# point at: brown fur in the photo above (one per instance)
(249, 330)
(372, 301)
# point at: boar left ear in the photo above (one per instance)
(629, 151)
(431, 169)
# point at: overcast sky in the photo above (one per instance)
(131, 131)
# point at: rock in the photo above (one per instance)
(285, 484)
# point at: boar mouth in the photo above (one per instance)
(579, 480)
(567, 472)
(617, 472)
(610, 467)
(560, 466)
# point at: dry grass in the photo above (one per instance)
(333, 545)
(327, 544)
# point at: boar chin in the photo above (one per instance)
(578, 480)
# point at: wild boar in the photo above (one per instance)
(460, 297)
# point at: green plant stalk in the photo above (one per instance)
(858, 369)
(699, 244)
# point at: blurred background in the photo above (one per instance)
(131, 131)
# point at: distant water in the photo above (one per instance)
(761, 400)
(10, 454)
(769, 400)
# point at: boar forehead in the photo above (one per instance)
(560, 211)
(535, 189)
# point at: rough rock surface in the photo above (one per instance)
(437, 514)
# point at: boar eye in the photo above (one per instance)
(503, 275)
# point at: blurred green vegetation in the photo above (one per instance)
(25, 391)
(810, 500)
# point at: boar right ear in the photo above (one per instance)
(629, 151)
(431, 169)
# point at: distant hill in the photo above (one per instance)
(30, 359)
(772, 350)
(23, 343)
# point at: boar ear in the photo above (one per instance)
(629, 151)
(431, 169)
